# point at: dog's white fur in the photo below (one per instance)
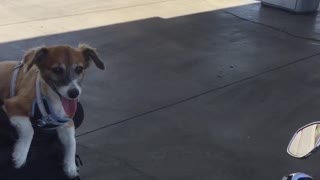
(73, 84)
(25, 134)
(66, 135)
(67, 138)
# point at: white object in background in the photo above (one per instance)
(298, 6)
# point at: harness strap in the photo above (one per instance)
(14, 78)
(39, 97)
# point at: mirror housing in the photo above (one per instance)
(305, 141)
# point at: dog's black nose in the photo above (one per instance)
(73, 93)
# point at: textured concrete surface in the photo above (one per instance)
(300, 25)
(202, 93)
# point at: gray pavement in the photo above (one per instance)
(201, 96)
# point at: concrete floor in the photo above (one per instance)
(193, 90)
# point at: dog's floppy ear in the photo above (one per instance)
(90, 54)
(36, 56)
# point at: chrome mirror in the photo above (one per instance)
(305, 141)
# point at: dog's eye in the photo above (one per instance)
(57, 70)
(79, 69)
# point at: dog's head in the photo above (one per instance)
(63, 67)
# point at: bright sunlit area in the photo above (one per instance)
(32, 18)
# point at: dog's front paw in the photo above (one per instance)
(71, 170)
(19, 159)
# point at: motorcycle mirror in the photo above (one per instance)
(305, 141)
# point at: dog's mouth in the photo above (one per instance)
(69, 106)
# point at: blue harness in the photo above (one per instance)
(42, 114)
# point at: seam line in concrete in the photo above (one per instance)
(76, 14)
(198, 95)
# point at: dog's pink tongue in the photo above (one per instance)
(70, 106)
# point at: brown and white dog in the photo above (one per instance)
(61, 70)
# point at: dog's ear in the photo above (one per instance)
(36, 56)
(90, 54)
